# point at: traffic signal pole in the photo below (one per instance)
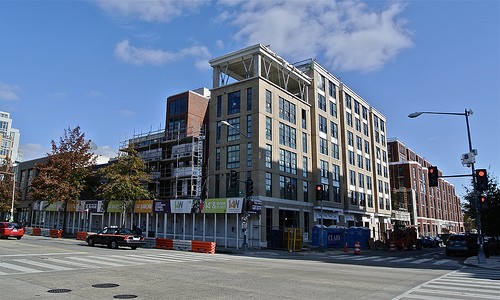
(475, 196)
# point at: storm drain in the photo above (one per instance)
(125, 296)
(58, 291)
(105, 285)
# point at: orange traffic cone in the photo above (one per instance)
(357, 248)
(345, 248)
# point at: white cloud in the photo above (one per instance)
(349, 35)
(143, 56)
(32, 151)
(151, 10)
(8, 92)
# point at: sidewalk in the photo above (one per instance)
(493, 262)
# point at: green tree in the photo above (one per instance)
(125, 180)
(65, 173)
(7, 185)
(490, 217)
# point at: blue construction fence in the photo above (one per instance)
(337, 237)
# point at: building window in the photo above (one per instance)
(269, 101)
(177, 107)
(359, 143)
(336, 194)
(336, 174)
(321, 102)
(353, 196)
(351, 157)
(365, 113)
(348, 118)
(352, 177)
(288, 188)
(365, 129)
(322, 124)
(370, 200)
(269, 129)
(288, 162)
(362, 201)
(350, 138)
(249, 126)
(323, 172)
(304, 166)
(304, 142)
(332, 90)
(360, 161)
(368, 164)
(269, 185)
(361, 180)
(217, 158)
(380, 202)
(287, 136)
(269, 155)
(249, 154)
(357, 122)
(321, 82)
(367, 147)
(335, 151)
(219, 106)
(232, 131)
(218, 132)
(334, 130)
(249, 98)
(356, 107)
(233, 157)
(305, 190)
(233, 103)
(304, 119)
(286, 110)
(323, 146)
(333, 109)
(348, 101)
(217, 185)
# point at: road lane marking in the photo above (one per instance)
(19, 268)
(92, 260)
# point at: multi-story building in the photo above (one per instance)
(434, 210)
(9, 146)
(290, 128)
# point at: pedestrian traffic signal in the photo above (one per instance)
(484, 202)
(319, 192)
(249, 187)
(433, 176)
(233, 179)
(481, 180)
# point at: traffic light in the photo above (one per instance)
(484, 202)
(319, 192)
(433, 176)
(249, 187)
(481, 180)
(233, 179)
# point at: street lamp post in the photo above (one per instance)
(481, 257)
(245, 215)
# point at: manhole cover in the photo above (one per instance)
(59, 291)
(125, 296)
(105, 285)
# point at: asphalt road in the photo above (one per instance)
(47, 268)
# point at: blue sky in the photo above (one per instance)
(108, 66)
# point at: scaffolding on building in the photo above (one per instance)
(174, 158)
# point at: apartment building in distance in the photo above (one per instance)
(434, 210)
(291, 127)
(9, 147)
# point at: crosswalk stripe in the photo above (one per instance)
(19, 268)
(442, 261)
(43, 265)
(118, 260)
(365, 258)
(93, 261)
(419, 261)
(73, 263)
(390, 258)
(401, 259)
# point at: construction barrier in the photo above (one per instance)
(392, 247)
(150, 242)
(182, 245)
(357, 248)
(203, 247)
(81, 235)
(55, 233)
(166, 244)
(37, 231)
